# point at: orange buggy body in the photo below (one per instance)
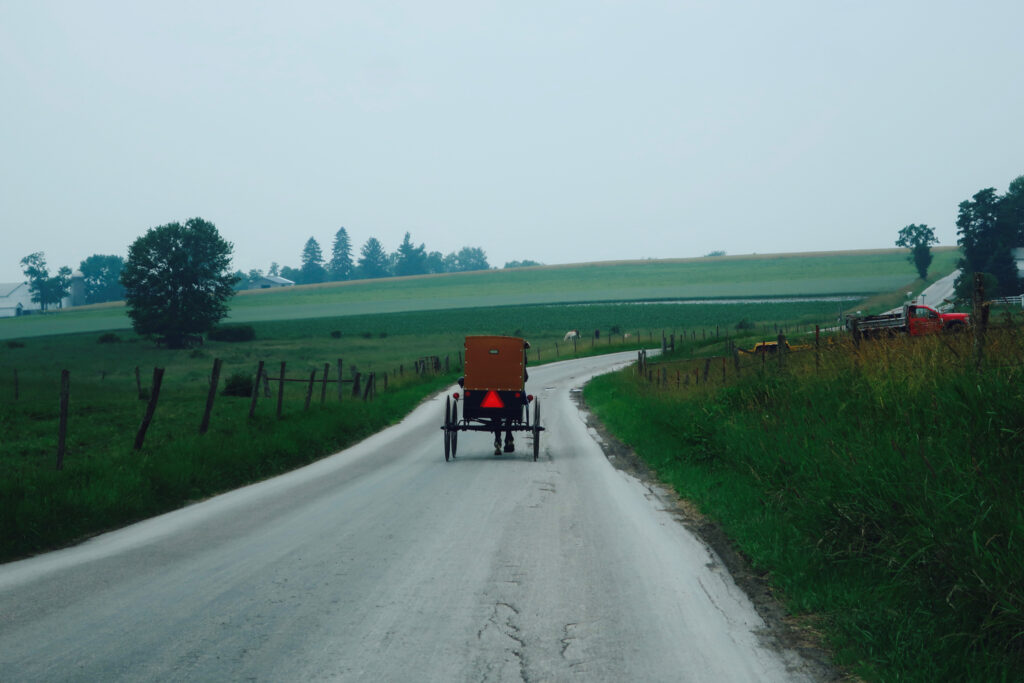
(494, 397)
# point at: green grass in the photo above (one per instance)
(106, 484)
(854, 273)
(882, 493)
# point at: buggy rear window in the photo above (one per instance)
(493, 352)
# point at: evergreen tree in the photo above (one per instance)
(373, 262)
(312, 270)
(341, 266)
(410, 260)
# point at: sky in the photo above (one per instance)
(559, 132)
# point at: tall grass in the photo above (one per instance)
(883, 491)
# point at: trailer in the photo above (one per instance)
(493, 395)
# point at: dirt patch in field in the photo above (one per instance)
(785, 631)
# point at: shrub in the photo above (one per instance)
(745, 325)
(238, 384)
(383, 335)
(232, 333)
(336, 334)
(13, 344)
(367, 335)
(108, 338)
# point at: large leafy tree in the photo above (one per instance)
(340, 266)
(410, 260)
(177, 281)
(990, 226)
(373, 261)
(919, 239)
(45, 290)
(312, 270)
(102, 277)
(471, 258)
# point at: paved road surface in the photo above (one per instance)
(384, 563)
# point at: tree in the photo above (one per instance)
(241, 281)
(434, 262)
(341, 266)
(102, 278)
(522, 264)
(373, 262)
(312, 270)
(177, 282)
(289, 273)
(918, 238)
(471, 258)
(45, 290)
(274, 270)
(991, 226)
(410, 260)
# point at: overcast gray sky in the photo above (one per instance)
(553, 131)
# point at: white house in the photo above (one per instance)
(15, 299)
(268, 281)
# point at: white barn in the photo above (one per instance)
(15, 300)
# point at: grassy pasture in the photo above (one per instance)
(780, 275)
(880, 493)
(105, 483)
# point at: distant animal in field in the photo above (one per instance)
(627, 335)
(571, 334)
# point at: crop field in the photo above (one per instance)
(769, 276)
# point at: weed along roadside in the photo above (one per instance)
(877, 487)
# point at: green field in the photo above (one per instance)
(788, 275)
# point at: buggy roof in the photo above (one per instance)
(494, 362)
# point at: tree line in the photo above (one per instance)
(990, 226)
(102, 272)
(373, 262)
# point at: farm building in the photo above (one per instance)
(15, 300)
(268, 281)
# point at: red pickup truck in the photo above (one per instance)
(913, 319)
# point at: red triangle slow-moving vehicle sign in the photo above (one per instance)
(492, 400)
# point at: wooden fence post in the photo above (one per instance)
(266, 384)
(154, 395)
(817, 348)
(323, 389)
(214, 381)
(979, 319)
(255, 391)
(369, 387)
(780, 348)
(62, 429)
(280, 391)
(355, 384)
(340, 375)
(707, 370)
(309, 389)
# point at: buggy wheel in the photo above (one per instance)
(536, 429)
(447, 429)
(454, 426)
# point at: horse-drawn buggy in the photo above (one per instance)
(493, 395)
